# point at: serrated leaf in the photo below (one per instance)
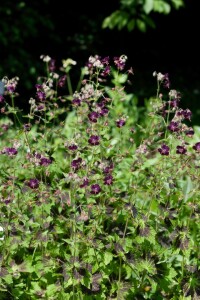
(151, 236)
(51, 290)
(147, 265)
(26, 267)
(139, 239)
(172, 273)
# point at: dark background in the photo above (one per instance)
(74, 29)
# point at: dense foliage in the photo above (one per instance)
(99, 199)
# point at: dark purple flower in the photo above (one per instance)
(197, 147)
(61, 81)
(94, 140)
(41, 95)
(1, 99)
(76, 163)
(33, 183)
(105, 60)
(104, 112)
(44, 161)
(85, 183)
(76, 102)
(11, 87)
(108, 180)
(89, 65)
(102, 103)
(120, 62)
(73, 147)
(108, 169)
(37, 155)
(120, 122)
(164, 150)
(106, 71)
(173, 126)
(38, 87)
(10, 151)
(95, 189)
(166, 82)
(189, 132)
(187, 114)
(181, 150)
(27, 127)
(7, 200)
(40, 107)
(52, 65)
(93, 116)
(163, 112)
(174, 103)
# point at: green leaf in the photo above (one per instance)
(35, 287)
(139, 239)
(154, 208)
(151, 236)
(177, 3)
(95, 267)
(8, 279)
(146, 265)
(112, 20)
(106, 23)
(131, 25)
(128, 272)
(172, 273)
(26, 267)
(86, 281)
(51, 290)
(187, 188)
(148, 6)
(107, 258)
(141, 25)
(161, 7)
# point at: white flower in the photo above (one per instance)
(160, 76)
(173, 93)
(68, 62)
(54, 75)
(95, 61)
(45, 58)
(154, 74)
(123, 58)
(16, 144)
(31, 101)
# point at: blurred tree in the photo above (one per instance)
(138, 13)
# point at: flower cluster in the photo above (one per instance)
(175, 117)
(38, 159)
